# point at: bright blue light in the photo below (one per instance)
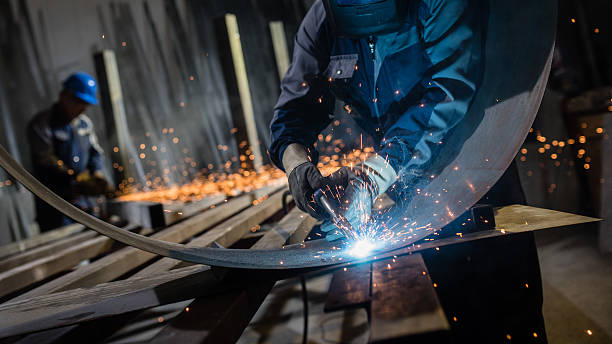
(362, 248)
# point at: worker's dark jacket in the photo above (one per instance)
(408, 93)
(414, 88)
(60, 150)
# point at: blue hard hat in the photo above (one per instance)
(83, 86)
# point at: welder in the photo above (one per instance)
(65, 153)
(408, 71)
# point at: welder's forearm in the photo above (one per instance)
(304, 105)
(294, 155)
(289, 127)
(49, 164)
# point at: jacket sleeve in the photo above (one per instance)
(305, 104)
(43, 156)
(452, 40)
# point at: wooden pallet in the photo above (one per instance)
(58, 297)
(127, 279)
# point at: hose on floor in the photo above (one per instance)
(286, 194)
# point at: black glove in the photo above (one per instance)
(355, 202)
(305, 179)
(91, 185)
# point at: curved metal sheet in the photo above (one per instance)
(519, 46)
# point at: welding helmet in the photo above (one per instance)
(363, 18)
(83, 86)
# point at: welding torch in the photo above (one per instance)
(332, 207)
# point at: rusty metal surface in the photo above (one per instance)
(396, 314)
(519, 48)
(350, 287)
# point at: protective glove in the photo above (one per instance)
(89, 185)
(365, 182)
(305, 178)
(104, 184)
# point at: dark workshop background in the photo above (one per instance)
(171, 79)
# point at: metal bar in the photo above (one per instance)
(279, 43)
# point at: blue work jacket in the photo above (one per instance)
(61, 150)
(407, 92)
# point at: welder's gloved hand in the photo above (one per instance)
(305, 178)
(91, 185)
(366, 182)
(108, 190)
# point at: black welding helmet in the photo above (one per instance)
(363, 18)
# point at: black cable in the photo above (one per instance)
(305, 301)
(286, 194)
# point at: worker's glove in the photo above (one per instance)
(366, 181)
(91, 185)
(305, 178)
(104, 184)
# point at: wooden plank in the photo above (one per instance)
(103, 270)
(273, 237)
(293, 228)
(237, 84)
(41, 239)
(349, 288)
(175, 212)
(293, 224)
(222, 318)
(44, 250)
(118, 263)
(226, 233)
(404, 302)
(157, 215)
(37, 270)
(75, 306)
(279, 44)
(442, 242)
(118, 134)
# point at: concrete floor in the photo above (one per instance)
(577, 286)
(577, 283)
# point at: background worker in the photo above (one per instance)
(65, 152)
(408, 70)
